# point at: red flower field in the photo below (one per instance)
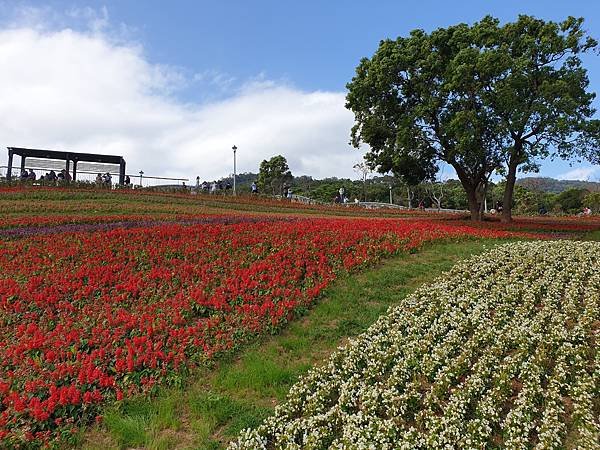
(90, 317)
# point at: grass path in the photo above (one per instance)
(241, 390)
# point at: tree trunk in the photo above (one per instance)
(511, 177)
(364, 188)
(481, 192)
(474, 206)
(470, 188)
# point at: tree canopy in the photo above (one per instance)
(272, 174)
(481, 98)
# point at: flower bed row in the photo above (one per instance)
(499, 353)
(537, 224)
(20, 232)
(27, 201)
(87, 318)
(44, 206)
(27, 224)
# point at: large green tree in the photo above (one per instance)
(273, 174)
(414, 108)
(538, 92)
(480, 98)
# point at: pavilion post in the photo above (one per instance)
(74, 169)
(122, 172)
(10, 163)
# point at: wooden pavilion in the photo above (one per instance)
(95, 162)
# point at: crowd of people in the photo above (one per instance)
(215, 187)
(48, 177)
(103, 180)
(224, 187)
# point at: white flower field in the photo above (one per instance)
(498, 353)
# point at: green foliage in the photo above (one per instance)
(454, 197)
(375, 190)
(570, 201)
(273, 174)
(527, 201)
(592, 201)
(242, 181)
(415, 104)
(482, 98)
(540, 92)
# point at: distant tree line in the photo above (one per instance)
(447, 195)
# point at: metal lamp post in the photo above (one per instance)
(391, 195)
(234, 148)
(141, 175)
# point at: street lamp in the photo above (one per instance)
(234, 148)
(141, 175)
(391, 195)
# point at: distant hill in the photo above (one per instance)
(555, 186)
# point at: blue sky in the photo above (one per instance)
(211, 55)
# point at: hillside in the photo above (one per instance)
(546, 184)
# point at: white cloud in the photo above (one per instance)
(580, 173)
(97, 21)
(221, 81)
(84, 91)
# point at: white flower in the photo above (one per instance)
(499, 352)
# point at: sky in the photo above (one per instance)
(172, 86)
